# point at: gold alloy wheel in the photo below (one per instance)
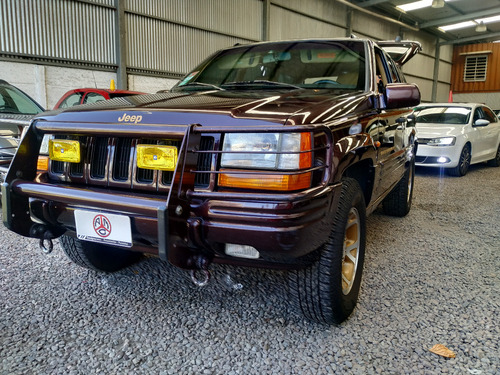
(351, 250)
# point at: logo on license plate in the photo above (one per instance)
(102, 226)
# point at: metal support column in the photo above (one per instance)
(266, 15)
(348, 31)
(435, 77)
(121, 46)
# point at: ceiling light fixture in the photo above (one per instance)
(461, 25)
(421, 4)
(437, 3)
(481, 27)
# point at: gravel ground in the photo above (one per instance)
(430, 278)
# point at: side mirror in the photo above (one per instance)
(481, 122)
(401, 95)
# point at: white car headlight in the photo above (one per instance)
(445, 141)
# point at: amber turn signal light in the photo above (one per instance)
(277, 182)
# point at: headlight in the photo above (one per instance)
(445, 141)
(265, 152)
(44, 147)
(43, 157)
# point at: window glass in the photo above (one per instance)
(93, 97)
(16, 102)
(70, 101)
(489, 115)
(314, 64)
(443, 115)
(478, 114)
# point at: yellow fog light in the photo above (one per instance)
(157, 157)
(64, 150)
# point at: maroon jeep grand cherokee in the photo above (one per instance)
(266, 155)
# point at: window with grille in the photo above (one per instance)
(475, 68)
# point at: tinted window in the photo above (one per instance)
(14, 101)
(489, 115)
(73, 99)
(93, 97)
(314, 64)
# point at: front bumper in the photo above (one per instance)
(284, 229)
(429, 156)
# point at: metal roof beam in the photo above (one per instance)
(456, 19)
(472, 39)
(370, 3)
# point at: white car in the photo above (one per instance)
(456, 135)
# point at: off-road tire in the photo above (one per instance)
(495, 162)
(463, 163)
(398, 202)
(319, 291)
(97, 257)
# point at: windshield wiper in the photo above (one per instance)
(260, 82)
(202, 84)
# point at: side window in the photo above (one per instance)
(394, 73)
(489, 115)
(381, 70)
(478, 114)
(93, 97)
(73, 99)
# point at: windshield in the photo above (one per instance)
(443, 115)
(13, 101)
(283, 65)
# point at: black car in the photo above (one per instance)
(16, 111)
(265, 155)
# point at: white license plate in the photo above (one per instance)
(110, 229)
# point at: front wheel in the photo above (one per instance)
(398, 202)
(327, 291)
(463, 163)
(97, 257)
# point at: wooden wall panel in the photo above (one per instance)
(492, 82)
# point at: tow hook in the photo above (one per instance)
(46, 244)
(200, 275)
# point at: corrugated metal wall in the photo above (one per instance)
(55, 30)
(163, 36)
(167, 38)
(173, 36)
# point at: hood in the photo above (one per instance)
(430, 130)
(221, 108)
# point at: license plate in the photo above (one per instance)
(109, 229)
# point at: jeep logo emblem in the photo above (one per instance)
(127, 118)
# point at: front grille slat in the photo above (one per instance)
(121, 162)
(99, 158)
(204, 162)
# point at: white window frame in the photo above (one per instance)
(475, 68)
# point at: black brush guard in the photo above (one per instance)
(22, 181)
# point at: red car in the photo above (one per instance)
(89, 95)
